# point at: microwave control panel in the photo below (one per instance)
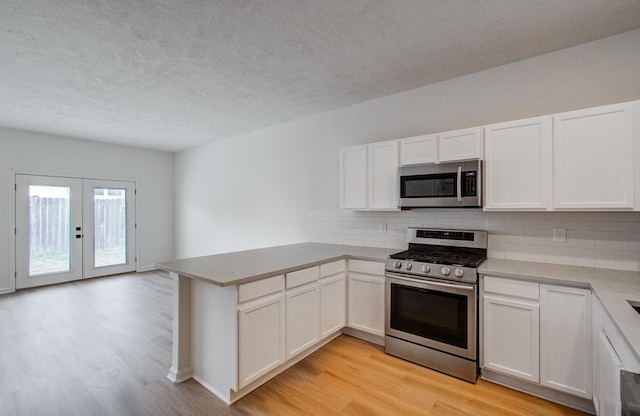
(470, 183)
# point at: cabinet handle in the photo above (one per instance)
(459, 183)
(430, 283)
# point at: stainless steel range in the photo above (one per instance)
(432, 300)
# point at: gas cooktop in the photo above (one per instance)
(440, 254)
(453, 256)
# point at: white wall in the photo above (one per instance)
(34, 153)
(258, 189)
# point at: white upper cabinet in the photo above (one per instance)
(593, 158)
(442, 147)
(419, 149)
(353, 177)
(383, 175)
(460, 145)
(518, 165)
(580, 160)
(369, 177)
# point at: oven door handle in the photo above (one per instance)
(438, 284)
(459, 183)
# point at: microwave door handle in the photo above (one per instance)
(459, 183)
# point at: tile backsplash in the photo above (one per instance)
(593, 239)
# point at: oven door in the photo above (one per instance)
(438, 315)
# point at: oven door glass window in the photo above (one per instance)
(428, 186)
(430, 314)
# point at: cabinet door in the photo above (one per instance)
(261, 342)
(332, 304)
(353, 177)
(460, 145)
(565, 339)
(420, 149)
(383, 175)
(302, 319)
(366, 303)
(608, 378)
(593, 158)
(518, 165)
(511, 337)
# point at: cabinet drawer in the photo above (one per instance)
(369, 267)
(302, 277)
(511, 287)
(259, 288)
(335, 267)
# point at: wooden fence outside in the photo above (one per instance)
(49, 221)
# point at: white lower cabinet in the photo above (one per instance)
(303, 310)
(281, 318)
(565, 334)
(261, 341)
(511, 321)
(366, 296)
(511, 331)
(303, 318)
(611, 355)
(538, 333)
(332, 298)
(608, 381)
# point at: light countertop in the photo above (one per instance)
(229, 269)
(612, 287)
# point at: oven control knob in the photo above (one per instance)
(445, 271)
(397, 265)
(426, 268)
(458, 272)
(408, 266)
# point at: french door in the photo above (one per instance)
(70, 228)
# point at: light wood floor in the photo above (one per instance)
(103, 347)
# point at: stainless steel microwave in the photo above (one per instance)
(444, 185)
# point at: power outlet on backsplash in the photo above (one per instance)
(382, 227)
(559, 235)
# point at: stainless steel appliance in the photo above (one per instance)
(431, 315)
(445, 185)
(629, 393)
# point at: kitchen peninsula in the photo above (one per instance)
(242, 318)
(229, 315)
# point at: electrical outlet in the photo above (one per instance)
(559, 235)
(382, 227)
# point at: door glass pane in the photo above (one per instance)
(110, 219)
(49, 229)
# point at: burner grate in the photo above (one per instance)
(455, 256)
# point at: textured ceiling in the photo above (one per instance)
(172, 74)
